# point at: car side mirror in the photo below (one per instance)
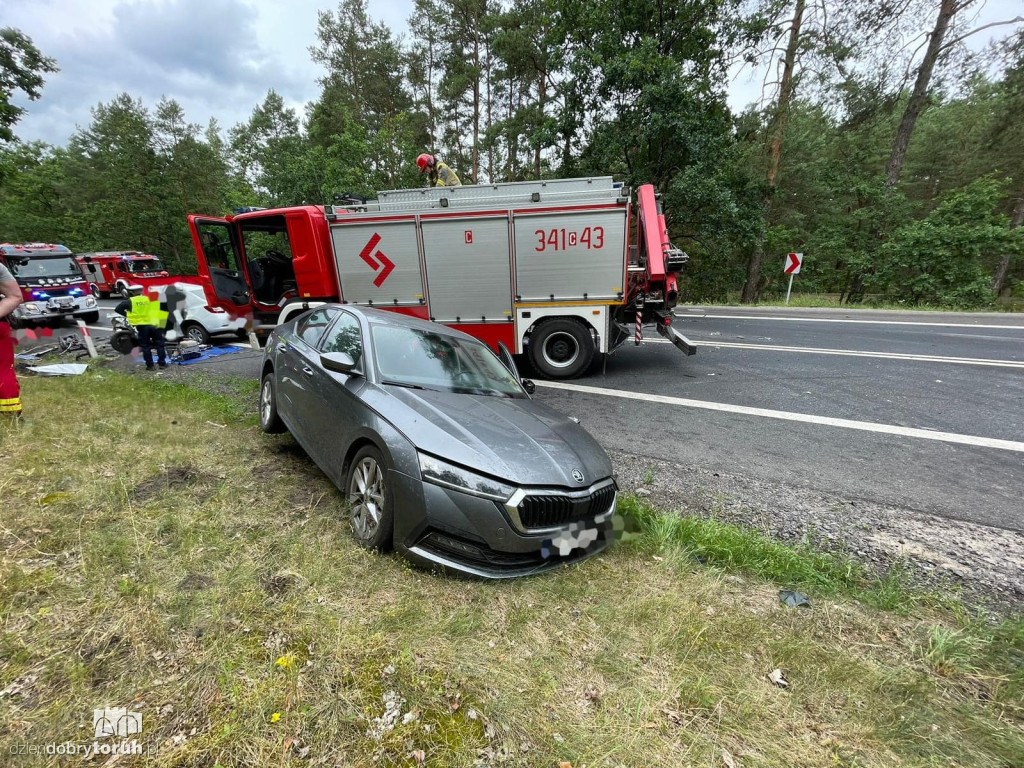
(241, 298)
(339, 362)
(529, 386)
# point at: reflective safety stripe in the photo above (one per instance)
(10, 406)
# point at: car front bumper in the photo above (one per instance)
(456, 532)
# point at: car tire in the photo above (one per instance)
(195, 332)
(369, 498)
(92, 317)
(123, 342)
(270, 419)
(561, 348)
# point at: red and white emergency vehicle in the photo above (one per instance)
(546, 267)
(52, 285)
(113, 271)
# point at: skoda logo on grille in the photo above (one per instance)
(577, 476)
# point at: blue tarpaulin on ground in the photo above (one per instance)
(208, 354)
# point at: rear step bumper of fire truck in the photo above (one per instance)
(681, 342)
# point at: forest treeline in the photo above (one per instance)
(882, 148)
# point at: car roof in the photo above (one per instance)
(29, 249)
(386, 317)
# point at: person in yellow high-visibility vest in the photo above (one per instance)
(438, 173)
(149, 319)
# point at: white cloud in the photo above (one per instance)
(217, 58)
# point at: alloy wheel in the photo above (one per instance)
(366, 498)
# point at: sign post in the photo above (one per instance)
(793, 263)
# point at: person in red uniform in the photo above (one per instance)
(10, 392)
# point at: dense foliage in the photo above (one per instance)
(886, 152)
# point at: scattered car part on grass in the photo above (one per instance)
(436, 444)
(793, 599)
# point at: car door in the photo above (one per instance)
(336, 408)
(297, 359)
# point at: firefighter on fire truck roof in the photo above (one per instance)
(438, 174)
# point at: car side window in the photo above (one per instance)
(345, 337)
(312, 326)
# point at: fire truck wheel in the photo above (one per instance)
(125, 293)
(92, 317)
(196, 332)
(369, 499)
(270, 421)
(561, 348)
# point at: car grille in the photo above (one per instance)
(553, 510)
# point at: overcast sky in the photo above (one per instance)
(217, 58)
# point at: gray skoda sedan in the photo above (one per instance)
(436, 444)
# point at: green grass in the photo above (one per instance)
(831, 301)
(163, 554)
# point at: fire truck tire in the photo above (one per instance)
(92, 317)
(561, 348)
(195, 332)
(123, 290)
(270, 421)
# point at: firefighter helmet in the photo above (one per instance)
(135, 290)
(424, 161)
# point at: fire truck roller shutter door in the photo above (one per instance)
(468, 277)
(378, 261)
(571, 255)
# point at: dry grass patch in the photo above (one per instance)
(231, 607)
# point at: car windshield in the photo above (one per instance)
(145, 265)
(56, 266)
(416, 358)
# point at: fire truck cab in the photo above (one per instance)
(113, 271)
(544, 268)
(52, 285)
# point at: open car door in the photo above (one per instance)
(220, 263)
(509, 362)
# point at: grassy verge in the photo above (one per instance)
(159, 553)
(831, 301)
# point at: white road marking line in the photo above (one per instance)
(694, 316)
(864, 426)
(856, 353)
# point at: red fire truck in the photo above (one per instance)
(545, 267)
(113, 271)
(52, 286)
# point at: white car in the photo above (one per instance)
(194, 318)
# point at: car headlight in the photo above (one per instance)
(90, 301)
(440, 472)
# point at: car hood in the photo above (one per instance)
(515, 439)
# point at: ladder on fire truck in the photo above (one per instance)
(596, 189)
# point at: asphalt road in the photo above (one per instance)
(954, 395)
(944, 394)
